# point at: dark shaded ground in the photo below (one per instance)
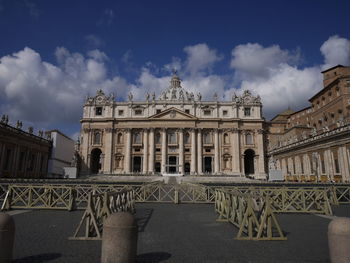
(173, 233)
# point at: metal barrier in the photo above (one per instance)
(297, 200)
(99, 207)
(38, 197)
(250, 213)
(75, 196)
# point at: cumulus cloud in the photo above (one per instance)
(254, 60)
(336, 50)
(36, 91)
(200, 57)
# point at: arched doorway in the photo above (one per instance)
(95, 164)
(249, 162)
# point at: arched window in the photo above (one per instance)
(119, 137)
(226, 139)
(97, 137)
(137, 138)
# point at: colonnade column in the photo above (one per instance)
(151, 151)
(181, 151)
(193, 151)
(235, 151)
(216, 152)
(164, 151)
(199, 152)
(145, 151)
(127, 159)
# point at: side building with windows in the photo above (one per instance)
(313, 144)
(175, 133)
(22, 153)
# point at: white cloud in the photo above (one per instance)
(36, 91)
(336, 50)
(254, 60)
(200, 58)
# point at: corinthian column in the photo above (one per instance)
(199, 152)
(181, 151)
(216, 151)
(127, 160)
(151, 151)
(145, 151)
(261, 161)
(164, 151)
(193, 151)
(235, 151)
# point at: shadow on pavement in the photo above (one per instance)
(38, 258)
(153, 257)
(142, 218)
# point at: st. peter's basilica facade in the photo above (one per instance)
(176, 133)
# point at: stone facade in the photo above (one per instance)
(22, 154)
(176, 133)
(313, 143)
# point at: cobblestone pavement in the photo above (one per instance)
(173, 233)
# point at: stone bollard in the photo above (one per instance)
(119, 239)
(7, 237)
(339, 240)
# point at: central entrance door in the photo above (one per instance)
(172, 168)
(136, 164)
(208, 164)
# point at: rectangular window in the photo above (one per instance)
(172, 138)
(98, 111)
(246, 111)
(138, 112)
(137, 149)
(187, 150)
(207, 150)
(158, 111)
(120, 112)
(249, 139)
(224, 113)
(157, 149)
(207, 112)
(187, 111)
(137, 138)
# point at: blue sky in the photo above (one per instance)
(54, 53)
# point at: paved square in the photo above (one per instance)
(173, 233)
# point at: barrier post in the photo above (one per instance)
(7, 237)
(119, 239)
(339, 240)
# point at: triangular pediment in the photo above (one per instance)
(173, 114)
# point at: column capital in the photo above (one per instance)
(109, 130)
(235, 130)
